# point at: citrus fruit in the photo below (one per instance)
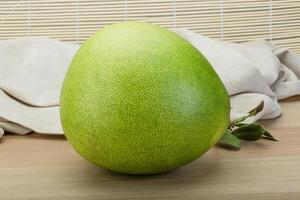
(139, 99)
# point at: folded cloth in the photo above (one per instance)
(31, 74)
(32, 70)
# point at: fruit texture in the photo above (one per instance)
(139, 99)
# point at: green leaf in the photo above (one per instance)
(252, 112)
(239, 120)
(257, 109)
(249, 132)
(267, 135)
(230, 140)
(240, 124)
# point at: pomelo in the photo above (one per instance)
(139, 99)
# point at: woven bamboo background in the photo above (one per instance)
(230, 20)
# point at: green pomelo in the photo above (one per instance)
(139, 99)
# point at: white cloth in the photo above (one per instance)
(32, 71)
(31, 74)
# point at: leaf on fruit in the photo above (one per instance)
(267, 135)
(230, 140)
(257, 109)
(240, 124)
(249, 132)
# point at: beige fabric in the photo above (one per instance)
(32, 71)
(31, 74)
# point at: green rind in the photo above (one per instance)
(139, 99)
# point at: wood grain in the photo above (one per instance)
(46, 167)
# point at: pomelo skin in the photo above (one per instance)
(139, 99)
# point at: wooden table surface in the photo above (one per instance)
(46, 167)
